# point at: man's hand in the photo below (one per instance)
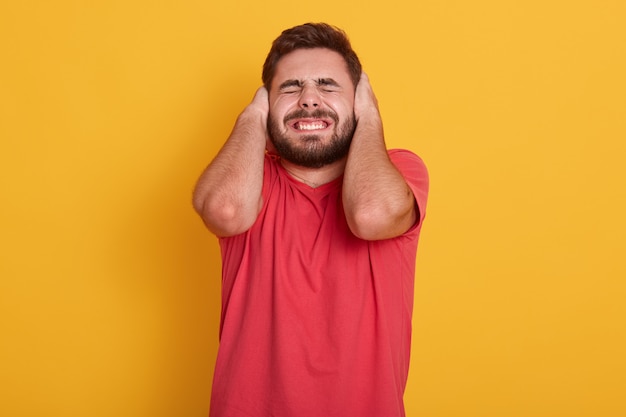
(257, 111)
(365, 102)
(260, 103)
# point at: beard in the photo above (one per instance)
(309, 150)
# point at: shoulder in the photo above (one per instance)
(402, 156)
(408, 163)
(414, 171)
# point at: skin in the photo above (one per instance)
(377, 201)
(308, 80)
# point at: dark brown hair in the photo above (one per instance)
(309, 36)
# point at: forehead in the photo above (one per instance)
(316, 63)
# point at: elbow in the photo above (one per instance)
(369, 224)
(380, 223)
(223, 218)
(198, 201)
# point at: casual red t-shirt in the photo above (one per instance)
(315, 321)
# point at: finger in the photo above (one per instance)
(261, 100)
(261, 94)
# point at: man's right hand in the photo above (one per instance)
(260, 103)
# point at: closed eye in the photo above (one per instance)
(290, 86)
(328, 85)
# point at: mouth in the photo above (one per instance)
(310, 125)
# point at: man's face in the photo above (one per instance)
(311, 118)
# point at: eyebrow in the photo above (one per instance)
(327, 82)
(298, 83)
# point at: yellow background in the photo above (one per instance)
(109, 110)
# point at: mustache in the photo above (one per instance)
(316, 114)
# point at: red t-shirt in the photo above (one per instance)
(315, 321)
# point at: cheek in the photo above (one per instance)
(274, 115)
(279, 110)
(344, 106)
(275, 122)
(345, 112)
(284, 101)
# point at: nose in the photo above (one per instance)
(309, 98)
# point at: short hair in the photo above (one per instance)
(309, 36)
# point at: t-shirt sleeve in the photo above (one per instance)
(415, 174)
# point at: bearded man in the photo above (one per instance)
(318, 225)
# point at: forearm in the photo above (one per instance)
(228, 193)
(377, 200)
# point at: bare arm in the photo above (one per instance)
(228, 193)
(377, 201)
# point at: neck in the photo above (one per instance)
(315, 177)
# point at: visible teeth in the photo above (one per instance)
(311, 126)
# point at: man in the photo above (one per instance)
(318, 227)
